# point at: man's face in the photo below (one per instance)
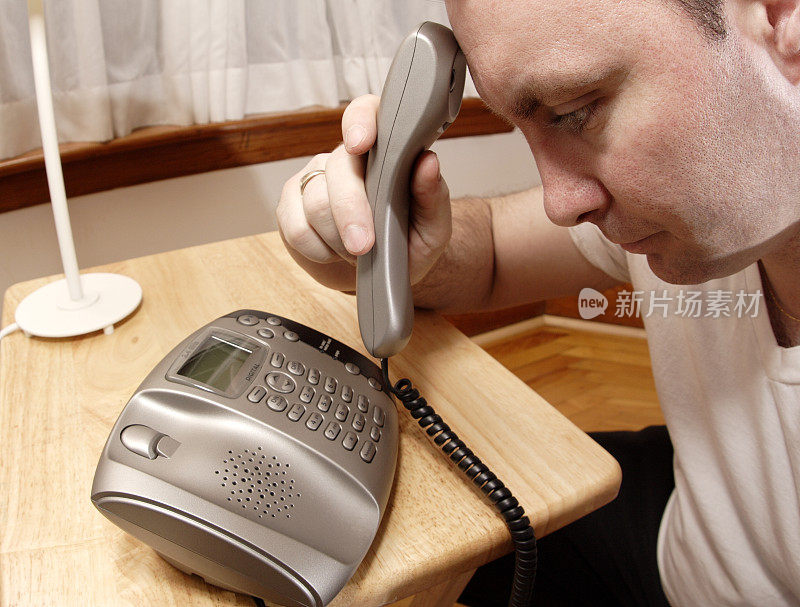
(676, 147)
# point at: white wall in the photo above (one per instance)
(175, 213)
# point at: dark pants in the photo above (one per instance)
(609, 556)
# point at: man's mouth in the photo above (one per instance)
(641, 246)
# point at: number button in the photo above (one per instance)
(277, 403)
(324, 403)
(307, 394)
(350, 440)
(313, 376)
(358, 422)
(375, 433)
(330, 385)
(363, 403)
(342, 411)
(296, 412)
(347, 394)
(332, 431)
(314, 420)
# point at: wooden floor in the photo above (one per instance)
(599, 381)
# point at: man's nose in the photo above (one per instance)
(571, 193)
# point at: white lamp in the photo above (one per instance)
(77, 304)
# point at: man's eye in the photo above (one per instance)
(577, 120)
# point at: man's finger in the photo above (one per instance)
(348, 201)
(359, 124)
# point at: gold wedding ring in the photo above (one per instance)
(308, 177)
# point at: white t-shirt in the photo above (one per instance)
(730, 534)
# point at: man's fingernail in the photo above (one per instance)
(355, 135)
(355, 239)
(438, 168)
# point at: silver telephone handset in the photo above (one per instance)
(421, 98)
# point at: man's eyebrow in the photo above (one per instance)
(527, 101)
(525, 105)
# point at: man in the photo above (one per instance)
(667, 136)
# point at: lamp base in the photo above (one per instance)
(49, 311)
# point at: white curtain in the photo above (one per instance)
(117, 65)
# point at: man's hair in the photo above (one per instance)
(709, 15)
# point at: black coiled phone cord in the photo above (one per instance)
(520, 526)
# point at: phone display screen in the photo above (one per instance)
(215, 363)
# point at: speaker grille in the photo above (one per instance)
(258, 485)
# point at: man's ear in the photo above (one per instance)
(775, 25)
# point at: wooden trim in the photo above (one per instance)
(604, 328)
(474, 323)
(509, 332)
(517, 330)
(162, 152)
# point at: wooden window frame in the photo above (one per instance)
(162, 152)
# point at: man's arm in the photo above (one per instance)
(504, 251)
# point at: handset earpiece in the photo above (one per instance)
(420, 99)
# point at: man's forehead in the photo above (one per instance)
(544, 25)
(525, 43)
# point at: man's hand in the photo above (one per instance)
(327, 227)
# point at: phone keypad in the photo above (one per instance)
(293, 391)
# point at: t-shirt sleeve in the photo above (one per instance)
(600, 252)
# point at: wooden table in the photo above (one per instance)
(59, 399)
